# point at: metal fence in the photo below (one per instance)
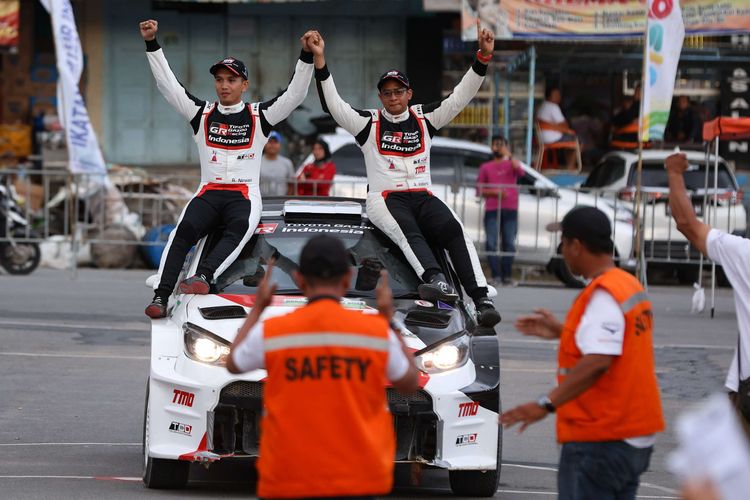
(120, 208)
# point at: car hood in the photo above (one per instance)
(223, 314)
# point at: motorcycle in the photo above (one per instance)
(16, 255)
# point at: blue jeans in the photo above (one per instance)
(606, 470)
(508, 230)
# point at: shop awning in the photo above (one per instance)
(725, 127)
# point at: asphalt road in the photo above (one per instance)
(74, 363)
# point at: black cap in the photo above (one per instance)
(324, 257)
(234, 65)
(394, 74)
(589, 225)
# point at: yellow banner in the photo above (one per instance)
(560, 19)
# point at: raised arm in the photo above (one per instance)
(438, 114)
(354, 121)
(682, 208)
(183, 101)
(281, 106)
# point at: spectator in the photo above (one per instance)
(276, 171)
(555, 127)
(501, 207)
(316, 177)
(625, 121)
(684, 124)
(607, 397)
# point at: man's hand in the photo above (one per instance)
(527, 414)
(541, 324)
(486, 40)
(317, 44)
(149, 29)
(265, 290)
(384, 296)
(305, 40)
(676, 163)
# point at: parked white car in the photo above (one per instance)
(454, 165)
(614, 178)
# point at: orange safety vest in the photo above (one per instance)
(624, 402)
(326, 430)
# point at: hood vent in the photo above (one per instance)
(223, 312)
(430, 319)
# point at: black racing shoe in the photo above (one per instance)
(197, 285)
(487, 315)
(157, 308)
(437, 289)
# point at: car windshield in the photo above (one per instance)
(369, 252)
(655, 176)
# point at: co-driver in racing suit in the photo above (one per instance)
(396, 143)
(230, 136)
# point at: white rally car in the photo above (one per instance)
(196, 411)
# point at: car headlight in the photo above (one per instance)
(449, 354)
(204, 346)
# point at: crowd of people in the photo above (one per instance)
(278, 177)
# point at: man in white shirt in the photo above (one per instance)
(733, 254)
(276, 171)
(555, 127)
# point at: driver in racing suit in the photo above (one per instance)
(396, 143)
(230, 136)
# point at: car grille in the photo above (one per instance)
(223, 312)
(395, 397)
(243, 390)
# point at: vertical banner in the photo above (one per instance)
(9, 20)
(84, 155)
(665, 33)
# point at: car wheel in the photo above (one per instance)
(477, 483)
(160, 473)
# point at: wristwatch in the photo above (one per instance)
(544, 402)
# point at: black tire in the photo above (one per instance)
(21, 259)
(160, 473)
(561, 271)
(477, 483)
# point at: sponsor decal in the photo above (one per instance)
(183, 398)
(219, 128)
(246, 156)
(324, 228)
(443, 305)
(213, 157)
(353, 304)
(294, 302)
(228, 135)
(391, 166)
(394, 137)
(424, 303)
(266, 228)
(420, 169)
(466, 439)
(228, 61)
(420, 161)
(217, 178)
(179, 428)
(468, 409)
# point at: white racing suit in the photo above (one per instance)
(230, 142)
(397, 159)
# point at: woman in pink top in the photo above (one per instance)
(494, 184)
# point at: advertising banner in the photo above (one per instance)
(598, 19)
(664, 38)
(84, 155)
(9, 15)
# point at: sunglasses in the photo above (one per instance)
(397, 92)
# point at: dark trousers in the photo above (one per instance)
(508, 228)
(606, 470)
(202, 215)
(425, 220)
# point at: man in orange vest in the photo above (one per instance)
(607, 398)
(326, 431)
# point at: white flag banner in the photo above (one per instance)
(665, 33)
(84, 155)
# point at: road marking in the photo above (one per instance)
(71, 444)
(72, 355)
(135, 327)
